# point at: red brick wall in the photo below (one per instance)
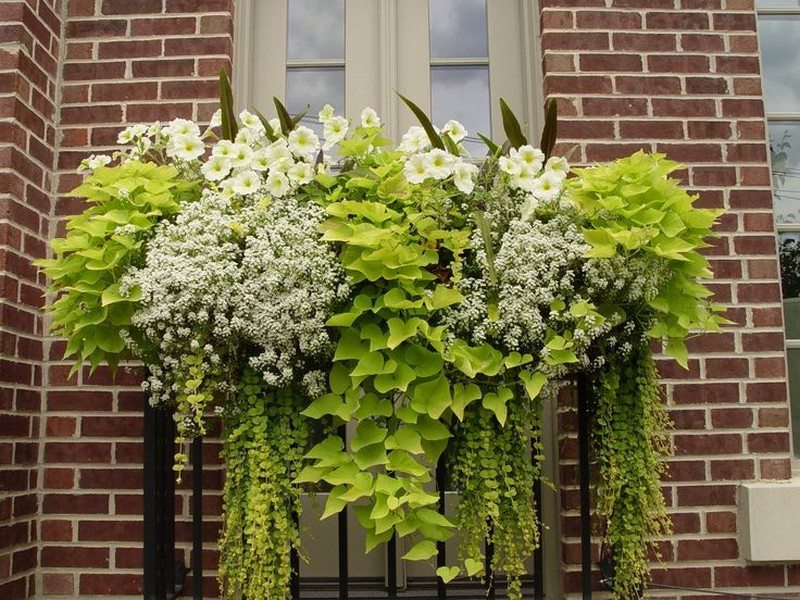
(30, 34)
(677, 76)
(126, 61)
(682, 77)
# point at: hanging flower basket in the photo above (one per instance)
(292, 285)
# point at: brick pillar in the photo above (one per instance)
(126, 61)
(29, 50)
(682, 77)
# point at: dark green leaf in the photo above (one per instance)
(436, 140)
(283, 116)
(229, 126)
(511, 126)
(550, 128)
(299, 116)
(267, 127)
(493, 148)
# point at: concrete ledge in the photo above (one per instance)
(769, 521)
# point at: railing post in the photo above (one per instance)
(441, 549)
(197, 518)
(584, 402)
(344, 571)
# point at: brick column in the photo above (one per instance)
(126, 61)
(682, 77)
(29, 50)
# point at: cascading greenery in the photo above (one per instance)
(263, 447)
(424, 300)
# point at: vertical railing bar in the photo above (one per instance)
(391, 559)
(169, 502)
(149, 508)
(162, 535)
(584, 391)
(490, 589)
(197, 518)
(294, 559)
(344, 571)
(441, 549)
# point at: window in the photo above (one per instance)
(454, 58)
(779, 32)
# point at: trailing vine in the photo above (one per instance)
(494, 471)
(631, 440)
(264, 442)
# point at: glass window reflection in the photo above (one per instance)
(784, 146)
(458, 29)
(314, 87)
(316, 30)
(780, 40)
(462, 93)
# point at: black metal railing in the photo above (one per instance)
(161, 583)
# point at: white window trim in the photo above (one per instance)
(394, 56)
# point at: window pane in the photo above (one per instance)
(777, 3)
(793, 360)
(784, 145)
(315, 87)
(780, 39)
(462, 93)
(458, 28)
(789, 250)
(316, 30)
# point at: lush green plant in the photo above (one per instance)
(630, 440)
(101, 245)
(264, 442)
(634, 207)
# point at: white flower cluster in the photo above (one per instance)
(424, 162)
(289, 284)
(528, 171)
(236, 280)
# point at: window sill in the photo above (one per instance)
(769, 522)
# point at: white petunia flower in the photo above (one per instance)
(223, 149)
(245, 136)
(326, 113)
(93, 162)
(303, 141)
(334, 132)
(509, 166)
(558, 165)
(249, 120)
(547, 187)
(277, 184)
(216, 119)
(528, 207)
(216, 168)
(278, 151)
(186, 147)
(226, 188)
(182, 127)
(241, 156)
(414, 140)
(275, 125)
(416, 168)
(125, 136)
(455, 130)
(525, 178)
(246, 182)
(530, 156)
(441, 164)
(301, 173)
(260, 160)
(463, 174)
(369, 118)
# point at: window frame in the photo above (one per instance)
(373, 65)
(783, 227)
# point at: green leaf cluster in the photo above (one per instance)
(99, 246)
(633, 207)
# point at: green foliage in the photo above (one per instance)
(101, 244)
(630, 440)
(264, 441)
(633, 207)
(490, 465)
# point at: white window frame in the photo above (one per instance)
(786, 227)
(387, 49)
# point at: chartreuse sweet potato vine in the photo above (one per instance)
(425, 300)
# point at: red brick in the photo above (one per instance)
(628, 84)
(749, 575)
(644, 42)
(130, 49)
(575, 41)
(131, 7)
(606, 107)
(702, 42)
(608, 20)
(775, 468)
(706, 85)
(707, 445)
(683, 107)
(736, 418)
(707, 549)
(768, 442)
(737, 64)
(760, 342)
(163, 26)
(740, 469)
(84, 452)
(734, 21)
(704, 393)
(87, 504)
(672, 63)
(677, 20)
(101, 584)
(651, 129)
(69, 556)
(721, 522)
